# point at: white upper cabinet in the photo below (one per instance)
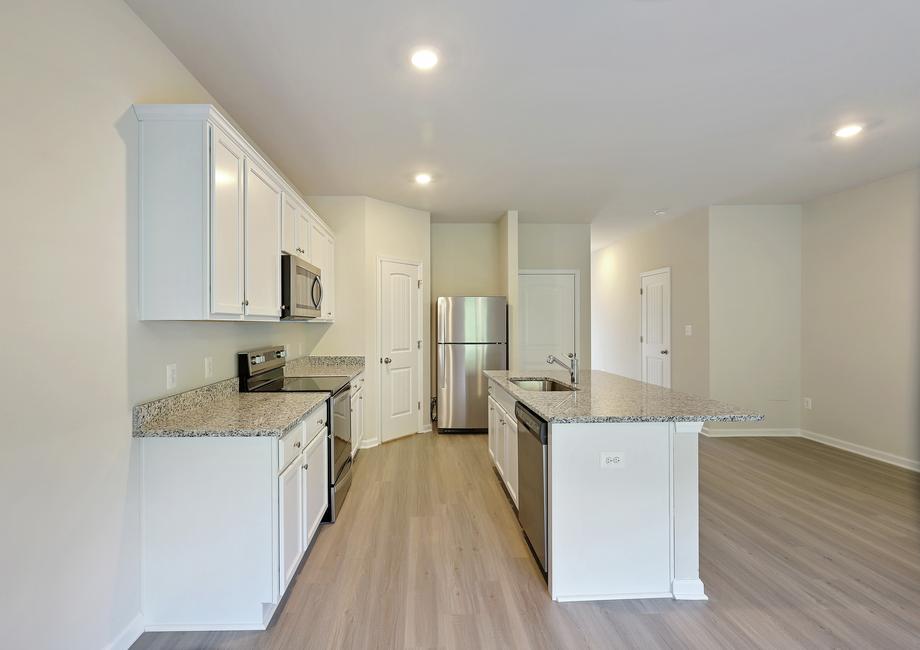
(262, 296)
(214, 217)
(295, 227)
(226, 225)
(322, 254)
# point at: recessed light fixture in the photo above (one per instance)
(424, 58)
(423, 178)
(849, 130)
(660, 212)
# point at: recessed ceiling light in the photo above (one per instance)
(849, 130)
(423, 179)
(424, 58)
(660, 212)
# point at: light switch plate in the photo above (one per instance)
(612, 459)
(688, 330)
(208, 367)
(806, 402)
(171, 376)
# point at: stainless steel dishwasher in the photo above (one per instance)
(532, 483)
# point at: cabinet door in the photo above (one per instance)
(355, 423)
(360, 419)
(316, 484)
(500, 439)
(322, 252)
(302, 235)
(290, 214)
(263, 243)
(493, 423)
(226, 222)
(290, 515)
(511, 458)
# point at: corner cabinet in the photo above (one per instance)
(322, 255)
(214, 217)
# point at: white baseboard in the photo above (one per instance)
(206, 627)
(862, 450)
(129, 635)
(425, 429)
(369, 442)
(688, 590)
(577, 598)
(830, 441)
(751, 433)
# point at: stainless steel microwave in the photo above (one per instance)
(301, 289)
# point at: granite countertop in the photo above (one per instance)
(220, 410)
(604, 397)
(333, 366)
(241, 414)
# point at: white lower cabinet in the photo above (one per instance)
(226, 523)
(315, 485)
(357, 413)
(503, 443)
(291, 509)
(511, 458)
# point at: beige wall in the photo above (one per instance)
(860, 293)
(346, 216)
(394, 231)
(755, 310)
(465, 260)
(683, 245)
(68, 464)
(562, 246)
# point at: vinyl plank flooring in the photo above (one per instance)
(802, 546)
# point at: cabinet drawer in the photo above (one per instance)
(291, 444)
(315, 420)
(503, 398)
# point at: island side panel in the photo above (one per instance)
(610, 534)
(687, 584)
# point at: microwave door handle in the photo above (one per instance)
(317, 301)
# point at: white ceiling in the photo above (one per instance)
(583, 111)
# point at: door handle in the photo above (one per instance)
(664, 352)
(387, 360)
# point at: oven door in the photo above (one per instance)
(340, 433)
(301, 289)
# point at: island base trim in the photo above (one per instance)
(688, 590)
(573, 598)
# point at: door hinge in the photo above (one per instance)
(419, 284)
(641, 339)
(419, 406)
(641, 291)
(419, 346)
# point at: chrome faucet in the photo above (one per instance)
(573, 369)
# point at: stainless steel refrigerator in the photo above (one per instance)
(472, 336)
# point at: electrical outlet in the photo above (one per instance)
(611, 459)
(688, 330)
(806, 402)
(171, 376)
(208, 367)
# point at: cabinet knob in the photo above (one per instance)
(305, 466)
(320, 421)
(245, 303)
(297, 444)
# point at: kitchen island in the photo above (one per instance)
(621, 481)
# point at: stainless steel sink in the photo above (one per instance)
(541, 385)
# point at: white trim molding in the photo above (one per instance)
(830, 441)
(868, 452)
(131, 633)
(751, 433)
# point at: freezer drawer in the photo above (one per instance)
(463, 390)
(465, 319)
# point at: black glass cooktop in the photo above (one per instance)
(321, 384)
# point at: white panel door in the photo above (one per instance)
(290, 509)
(399, 346)
(263, 243)
(226, 225)
(655, 338)
(546, 319)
